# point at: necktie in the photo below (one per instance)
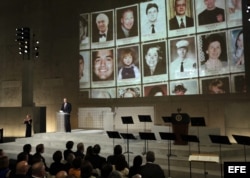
(182, 24)
(182, 68)
(153, 28)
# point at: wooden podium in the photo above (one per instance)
(180, 122)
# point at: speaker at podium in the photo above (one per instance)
(180, 122)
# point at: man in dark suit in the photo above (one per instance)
(126, 27)
(103, 33)
(66, 108)
(180, 20)
(150, 169)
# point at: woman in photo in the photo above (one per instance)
(213, 49)
(154, 64)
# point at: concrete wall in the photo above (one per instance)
(55, 25)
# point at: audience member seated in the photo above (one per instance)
(80, 151)
(117, 151)
(115, 174)
(69, 147)
(135, 168)
(21, 170)
(38, 156)
(61, 174)
(121, 166)
(150, 169)
(87, 170)
(76, 169)
(89, 153)
(69, 162)
(97, 161)
(13, 162)
(38, 170)
(2, 153)
(106, 169)
(27, 149)
(4, 166)
(57, 165)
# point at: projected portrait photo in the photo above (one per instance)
(182, 47)
(102, 27)
(183, 60)
(237, 62)
(129, 92)
(210, 14)
(128, 65)
(234, 13)
(215, 85)
(84, 66)
(84, 40)
(184, 87)
(103, 65)
(213, 55)
(103, 93)
(154, 62)
(155, 90)
(153, 20)
(127, 22)
(181, 16)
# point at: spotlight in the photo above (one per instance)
(23, 39)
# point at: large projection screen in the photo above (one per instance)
(162, 48)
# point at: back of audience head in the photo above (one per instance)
(70, 158)
(4, 162)
(150, 157)
(120, 163)
(115, 174)
(38, 169)
(23, 156)
(40, 148)
(80, 146)
(137, 161)
(22, 167)
(107, 168)
(137, 176)
(86, 169)
(77, 163)
(117, 150)
(96, 149)
(27, 148)
(57, 156)
(89, 151)
(61, 174)
(69, 145)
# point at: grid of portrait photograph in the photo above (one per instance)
(162, 48)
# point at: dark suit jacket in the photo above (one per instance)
(120, 34)
(95, 35)
(173, 23)
(151, 170)
(67, 109)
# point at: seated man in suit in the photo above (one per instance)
(180, 20)
(150, 169)
(104, 33)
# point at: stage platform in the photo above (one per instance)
(179, 161)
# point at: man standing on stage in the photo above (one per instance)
(66, 108)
